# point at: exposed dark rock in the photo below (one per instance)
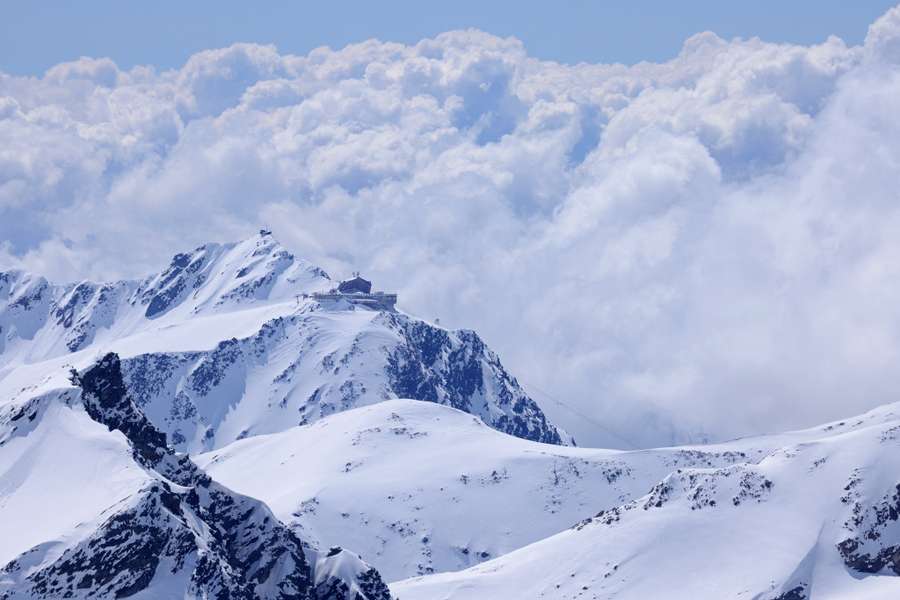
(875, 545)
(212, 542)
(172, 285)
(425, 363)
(795, 593)
(435, 365)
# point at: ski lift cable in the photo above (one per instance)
(577, 412)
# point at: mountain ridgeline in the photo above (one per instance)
(232, 428)
(180, 535)
(228, 342)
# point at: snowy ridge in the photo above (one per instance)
(300, 368)
(229, 275)
(419, 488)
(39, 320)
(423, 489)
(174, 532)
(225, 343)
(815, 518)
(463, 491)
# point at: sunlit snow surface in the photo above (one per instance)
(225, 343)
(421, 488)
(300, 405)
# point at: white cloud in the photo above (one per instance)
(883, 40)
(704, 245)
(97, 71)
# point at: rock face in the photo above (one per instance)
(181, 535)
(104, 387)
(226, 343)
(874, 546)
(300, 368)
(457, 369)
(40, 320)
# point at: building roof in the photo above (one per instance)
(355, 285)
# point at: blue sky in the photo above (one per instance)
(37, 35)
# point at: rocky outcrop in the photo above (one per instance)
(182, 535)
(457, 369)
(306, 360)
(298, 369)
(874, 546)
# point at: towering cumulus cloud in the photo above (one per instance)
(703, 247)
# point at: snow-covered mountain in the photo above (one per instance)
(390, 484)
(420, 488)
(226, 343)
(812, 514)
(95, 504)
(40, 320)
(320, 473)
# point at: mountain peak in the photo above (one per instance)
(225, 343)
(258, 269)
(180, 534)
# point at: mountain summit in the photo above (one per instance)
(233, 340)
(238, 427)
(104, 387)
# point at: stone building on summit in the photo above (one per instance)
(359, 291)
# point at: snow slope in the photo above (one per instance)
(95, 504)
(295, 405)
(815, 518)
(40, 320)
(419, 488)
(66, 459)
(223, 344)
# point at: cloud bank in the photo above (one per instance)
(707, 246)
